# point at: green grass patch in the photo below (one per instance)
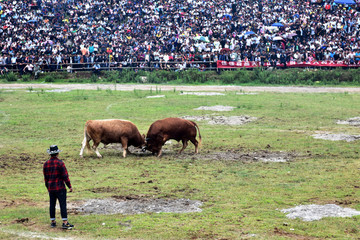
(239, 198)
(256, 76)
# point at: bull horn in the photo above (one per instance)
(147, 139)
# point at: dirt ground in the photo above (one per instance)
(134, 206)
(131, 87)
(222, 120)
(315, 212)
(355, 121)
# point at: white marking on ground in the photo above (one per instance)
(31, 235)
(316, 212)
(203, 93)
(336, 137)
(218, 108)
(156, 96)
(58, 90)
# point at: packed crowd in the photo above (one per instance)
(60, 34)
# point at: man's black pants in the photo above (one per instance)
(61, 195)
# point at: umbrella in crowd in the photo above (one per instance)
(348, 2)
(249, 33)
(202, 38)
(227, 16)
(289, 35)
(277, 38)
(277, 25)
(224, 50)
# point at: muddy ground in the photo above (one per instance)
(336, 137)
(134, 206)
(222, 120)
(315, 212)
(216, 108)
(171, 148)
(351, 121)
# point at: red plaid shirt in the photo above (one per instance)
(55, 175)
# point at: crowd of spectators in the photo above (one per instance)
(72, 34)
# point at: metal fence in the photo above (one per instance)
(107, 66)
(136, 66)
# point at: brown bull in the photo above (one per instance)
(111, 131)
(171, 128)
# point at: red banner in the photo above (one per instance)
(253, 64)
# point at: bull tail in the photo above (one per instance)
(198, 129)
(86, 139)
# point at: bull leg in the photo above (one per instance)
(185, 143)
(159, 153)
(95, 146)
(83, 147)
(196, 144)
(124, 144)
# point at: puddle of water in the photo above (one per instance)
(315, 212)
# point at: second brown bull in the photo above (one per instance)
(111, 131)
(171, 128)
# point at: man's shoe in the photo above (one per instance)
(53, 224)
(67, 226)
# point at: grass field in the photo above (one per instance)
(241, 199)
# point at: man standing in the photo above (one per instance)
(55, 175)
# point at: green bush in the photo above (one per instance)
(26, 78)
(126, 76)
(111, 76)
(162, 76)
(49, 79)
(94, 78)
(11, 77)
(289, 76)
